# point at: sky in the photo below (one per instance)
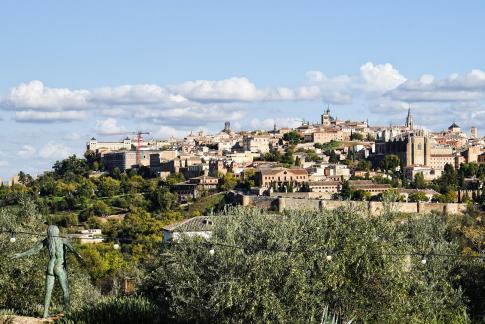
(71, 70)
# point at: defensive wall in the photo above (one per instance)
(303, 201)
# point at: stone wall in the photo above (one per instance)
(291, 201)
(373, 207)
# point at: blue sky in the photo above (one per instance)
(70, 70)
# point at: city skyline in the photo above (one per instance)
(177, 71)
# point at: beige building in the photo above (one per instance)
(278, 177)
(205, 182)
(429, 173)
(330, 187)
(256, 143)
(325, 136)
(369, 186)
(101, 147)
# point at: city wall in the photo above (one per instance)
(288, 202)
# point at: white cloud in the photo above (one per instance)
(232, 89)
(3, 163)
(108, 126)
(135, 94)
(268, 123)
(315, 76)
(27, 151)
(455, 88)
(72, 136)
(381, 77)
(54, 150)
(167, 132)
(381, 86)
(34, 95)
(49, 116)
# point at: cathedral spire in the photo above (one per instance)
(409, 119)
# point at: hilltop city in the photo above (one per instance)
(316, 158)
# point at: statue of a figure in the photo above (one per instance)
(56, 267)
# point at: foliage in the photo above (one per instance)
(280, 272)
(229, 181)
(24, 278)
(419, 182)
(293, 137)
(418, 196)
(71, 167)
(390, 163)
(356, 137)
(174, 178)
(364, 165)
(361, 195)
(346, 191)
(108, 187)
(163, 200)
(330, 146)
(114, 310)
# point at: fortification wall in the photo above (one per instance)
(373, 207)
(291, 201)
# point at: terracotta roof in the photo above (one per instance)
(194, 224)
(410, 191)
(278, 170)
(324, 183)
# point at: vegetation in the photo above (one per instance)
(286, 268)
(299, 266)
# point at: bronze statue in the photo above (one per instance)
(56, 267)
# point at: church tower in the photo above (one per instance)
(409, 119)
(325, 118)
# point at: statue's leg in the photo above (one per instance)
(49, 284)
(62, 275)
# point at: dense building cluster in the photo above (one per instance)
(316, 157)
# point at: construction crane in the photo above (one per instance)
(138, 142)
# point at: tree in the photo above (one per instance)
(418, 196)
(334, 158)
(364, 165)
(345, 191)
(361, 195)
(108, 187)
(175, 178)
(92, 160)
(70, 168)
(419, 182)
(276, 275)
(164, 200)
(293, 137)
(228, 181)
(356, 137)
(100, 208)
(390, 163)
(288, 159)
(391, 195)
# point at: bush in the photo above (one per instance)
(22, 280)
(117, 310)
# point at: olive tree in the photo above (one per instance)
(260, 267)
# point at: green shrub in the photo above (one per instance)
(116, 310)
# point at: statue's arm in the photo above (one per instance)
(72, 249)
(34, 250)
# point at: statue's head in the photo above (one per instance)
(52, 231)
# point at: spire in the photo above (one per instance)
(409, 119)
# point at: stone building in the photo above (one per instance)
(279, 177)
